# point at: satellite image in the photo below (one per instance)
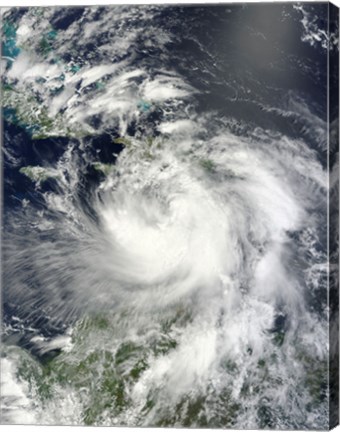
(166, 244)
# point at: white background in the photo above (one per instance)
(7, 3)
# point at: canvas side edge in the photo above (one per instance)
(333, 118)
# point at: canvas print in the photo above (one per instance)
(170, 215)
